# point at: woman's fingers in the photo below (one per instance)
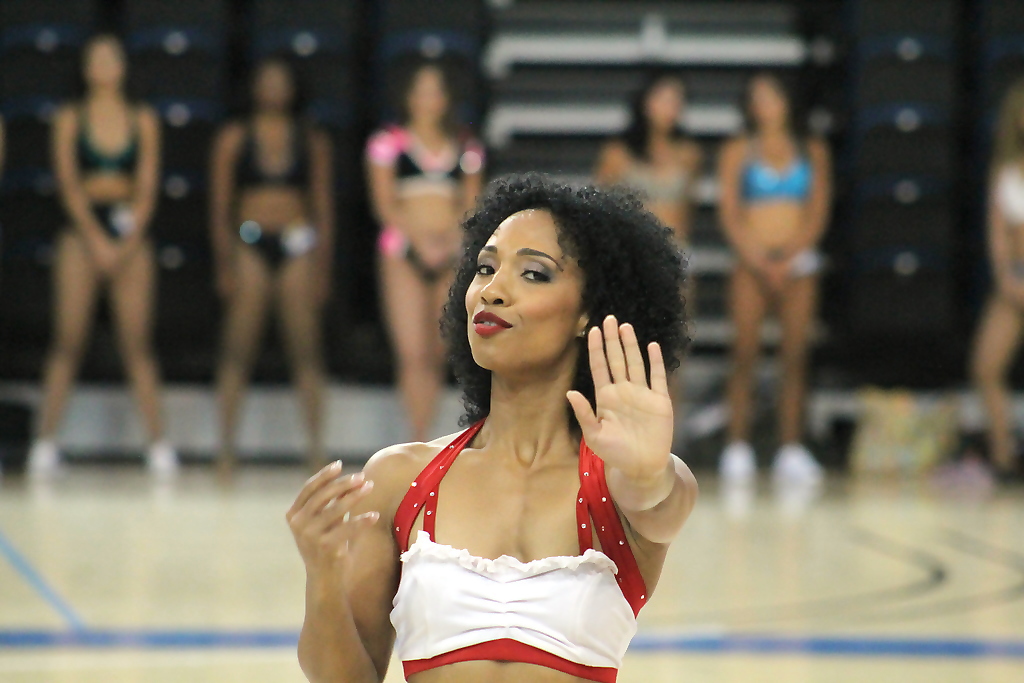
(337, 509)
(598, 362)
(613, 350)
(659, 378)
(634, 359)
(339, 537)
(335, 492)
(322, 478)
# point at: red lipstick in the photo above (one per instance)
(487, 324)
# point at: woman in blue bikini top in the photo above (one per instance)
(775, 195)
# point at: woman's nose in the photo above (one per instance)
(494, 292)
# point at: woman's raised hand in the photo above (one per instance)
(632, 428)
(319, 518)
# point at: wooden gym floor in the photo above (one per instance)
(105, 576)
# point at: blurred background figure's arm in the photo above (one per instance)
(147, 173)
(730, 203)
(473, 167)
(612, 163)
(380, 176)
(999, 252)
(321, 163)
(226, 148)
(692, 162)
(819, 203)
(69, 180)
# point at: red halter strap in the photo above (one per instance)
(600, 508)
(423, 492)
(594, 508)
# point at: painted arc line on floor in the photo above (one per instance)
(964, 648)
(34, 578)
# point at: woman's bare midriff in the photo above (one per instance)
(431, 222)
(274, 208)
(774, 225)
(494, 672)
(108, 188)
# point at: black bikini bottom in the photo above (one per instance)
(427, 274)
(277, 247)
(115, 219)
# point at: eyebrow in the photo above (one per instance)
(526, 251)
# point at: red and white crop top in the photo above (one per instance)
(573, 614)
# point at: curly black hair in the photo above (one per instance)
(631, 265)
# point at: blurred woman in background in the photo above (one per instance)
(107, 161)
(775, 196)
(1002, 323)
(654, 158)
(272, 222)
(423, 175)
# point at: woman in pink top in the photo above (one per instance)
(563, 322)
(423, 176)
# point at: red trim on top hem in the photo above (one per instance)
(508, 650)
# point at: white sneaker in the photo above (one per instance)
(43, 459)
(737, 464)
(794, 464)
(162, 459)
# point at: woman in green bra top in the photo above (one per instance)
(107, 161)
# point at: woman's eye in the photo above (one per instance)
(537, 276)
(484, 269)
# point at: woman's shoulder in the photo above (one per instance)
(68, 111)
(816, 145)
(147, 119)
(236, 126)
(733, 154)
(614, 159)
(386, 143)
(617, 148)
(146, 111)
(737, 144)
(231, 134)
(394, 468)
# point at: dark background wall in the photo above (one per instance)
(905, 91)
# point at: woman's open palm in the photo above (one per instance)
(632, 427)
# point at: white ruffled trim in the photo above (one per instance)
(424, 547)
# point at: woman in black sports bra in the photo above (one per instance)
(107, 161)
(423, 176)
(272, 221)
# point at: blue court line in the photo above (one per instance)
(843, 645)
(148, 639)
(956, 648)
(36, 580)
